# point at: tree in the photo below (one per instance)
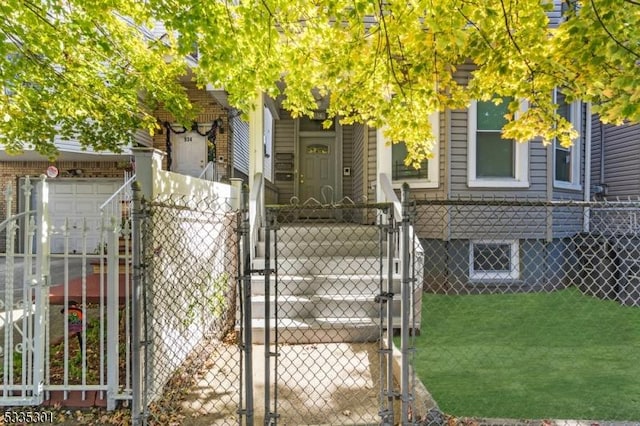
(391, 64)
(82, 70)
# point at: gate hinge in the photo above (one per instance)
(383, 297)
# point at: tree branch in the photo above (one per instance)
(604, 27)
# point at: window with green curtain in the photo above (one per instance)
(495, 156)
(400, 171)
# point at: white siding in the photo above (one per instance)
(240, 143)
(268, 144)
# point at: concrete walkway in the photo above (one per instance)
(335, 383)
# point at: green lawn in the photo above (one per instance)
(531, 356)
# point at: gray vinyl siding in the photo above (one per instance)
(347, 160)
(431, 221)
(497, 222)
(240, 144)
(284, 142)
(371, 170)
(595, 152)
(621, 159)
(555, 15)
(357, 163)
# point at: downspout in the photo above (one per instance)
(587, 164)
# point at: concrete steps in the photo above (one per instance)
(328, 280)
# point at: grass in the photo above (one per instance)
(558, 355)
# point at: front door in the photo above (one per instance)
(189, 153)
(317, 168)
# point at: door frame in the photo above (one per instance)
(337, 156)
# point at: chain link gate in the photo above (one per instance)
(331, 291)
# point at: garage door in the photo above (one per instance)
(78, 201)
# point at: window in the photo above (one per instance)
(566, 161)
(390, 161)
(494, 260)
(400, 171)
(492, 160)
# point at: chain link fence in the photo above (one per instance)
(531, 310)
(191, 358)
(326, 314)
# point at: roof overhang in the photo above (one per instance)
(68, 156)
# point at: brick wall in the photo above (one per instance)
(210, 110)
(11, 171)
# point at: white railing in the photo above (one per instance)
(209, 172)
(113, 205)
(21, 366)
(416, 252)
(256, 210)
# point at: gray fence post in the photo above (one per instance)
(136, 306)
(405, 293)
(246, 305)
(267, 326)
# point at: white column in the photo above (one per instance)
(256, 138)
(148, 164)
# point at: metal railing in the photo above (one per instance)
(209, 172)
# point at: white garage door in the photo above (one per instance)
(78, 201)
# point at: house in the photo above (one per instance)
(471, 162)
(615, 160)
(615, 174)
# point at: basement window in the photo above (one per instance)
(494, 260)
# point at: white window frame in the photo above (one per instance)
(385, 159)
(521, 166)
(514, 267)
(575, 117)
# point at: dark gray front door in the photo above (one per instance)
(317, 168)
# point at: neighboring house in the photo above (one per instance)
(80, 181)
(615, 176)
(615, 160)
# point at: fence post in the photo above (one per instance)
(236, 185)
(8, 348)
(405, 307)
(389, 382)
(41, 320)
(113, 287)
(136, 306)
(246, 302)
